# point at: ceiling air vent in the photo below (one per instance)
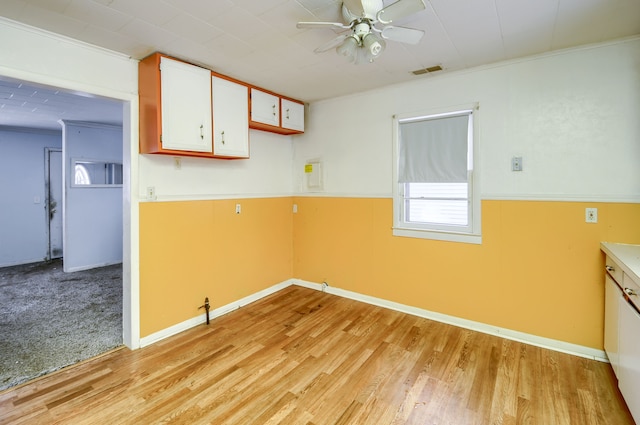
(427, 70)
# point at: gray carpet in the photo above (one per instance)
(50, 319)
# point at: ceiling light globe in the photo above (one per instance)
(348, 48)
(373, 46)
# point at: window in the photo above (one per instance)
(435, 194)
(96, 173)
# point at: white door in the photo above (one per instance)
(54, 207)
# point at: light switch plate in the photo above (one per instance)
(516, 163)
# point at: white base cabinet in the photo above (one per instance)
(629, 357)
(622, 320)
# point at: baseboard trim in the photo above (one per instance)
(217, 312)
(538, 341)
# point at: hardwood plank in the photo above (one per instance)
(306, 357)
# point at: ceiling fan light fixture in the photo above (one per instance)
(373, 46)
(349, 48)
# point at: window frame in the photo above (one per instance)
(401, 227)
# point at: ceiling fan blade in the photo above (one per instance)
(402, 35)
(331, 44)
(322, 25)
(399, 10)
(371, 8)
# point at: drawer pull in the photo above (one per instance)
(610, 269)
(630, 291)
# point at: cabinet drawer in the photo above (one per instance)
(632, 289)
(614, 270)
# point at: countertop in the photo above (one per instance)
(626, 255)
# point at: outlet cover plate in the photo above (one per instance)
(591, 215)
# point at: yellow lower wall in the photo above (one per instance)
(189, 250)
(539, 269)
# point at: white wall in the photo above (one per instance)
(571, 115)
(23, 215)
(92, 215)
(266, 173)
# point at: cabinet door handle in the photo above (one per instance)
(610, 269)
(202, 131)
(222, 137)
(274, 110)
(630, 291)
(287, 113)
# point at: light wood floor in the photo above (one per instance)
(306, 357)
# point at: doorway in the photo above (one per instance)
(50, 204)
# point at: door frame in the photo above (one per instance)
(47, 205)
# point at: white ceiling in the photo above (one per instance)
(257, 41)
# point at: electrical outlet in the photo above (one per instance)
(591, 215)
(238, 208)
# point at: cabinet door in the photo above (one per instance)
(292, 115)
(230, 118)
(629, 355)
(613, 294)
(265, 108)
(186, 106)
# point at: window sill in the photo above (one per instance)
(439, 236)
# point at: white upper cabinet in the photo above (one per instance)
(186, 110)
(186, 106)
(275, 113)
(292, 115)
(230, 118)
(265, 108)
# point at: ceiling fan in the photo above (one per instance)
(366, 41)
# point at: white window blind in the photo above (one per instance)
(434, 150)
